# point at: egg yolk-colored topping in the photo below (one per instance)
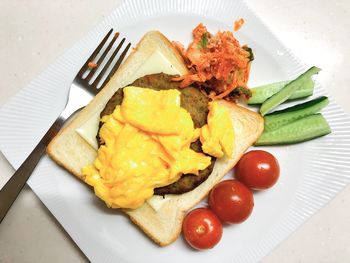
(147, 145)
(217, 136)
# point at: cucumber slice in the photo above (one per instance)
(305, 90)
(286, 91)
(262, 93)
(280, 118)
(304, 129)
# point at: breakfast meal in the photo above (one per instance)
(167, 127)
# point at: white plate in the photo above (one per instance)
(311, 173)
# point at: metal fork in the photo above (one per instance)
(80, 94)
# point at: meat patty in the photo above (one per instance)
(194, 101)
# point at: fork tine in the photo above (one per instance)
(116, 66)
(94, 54)
(93, 70)
(103, 71)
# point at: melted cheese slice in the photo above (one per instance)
(156, 63)
(89, 129)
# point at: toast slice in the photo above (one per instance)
(72, 152)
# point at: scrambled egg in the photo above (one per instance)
(147, 145)
(217, 136)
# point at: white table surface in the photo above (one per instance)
(34, 33)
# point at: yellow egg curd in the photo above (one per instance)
(217, 136)
(147, 145)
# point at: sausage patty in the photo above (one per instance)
(194, 101)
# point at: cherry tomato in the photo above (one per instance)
(202, 229)
(231, 201)
(258, 170)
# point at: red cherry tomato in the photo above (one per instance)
(202, 229)
(258, 170)
(231, 201)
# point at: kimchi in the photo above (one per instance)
(217, 64)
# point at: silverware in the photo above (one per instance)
(80, 94)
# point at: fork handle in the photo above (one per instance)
(13, 187)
